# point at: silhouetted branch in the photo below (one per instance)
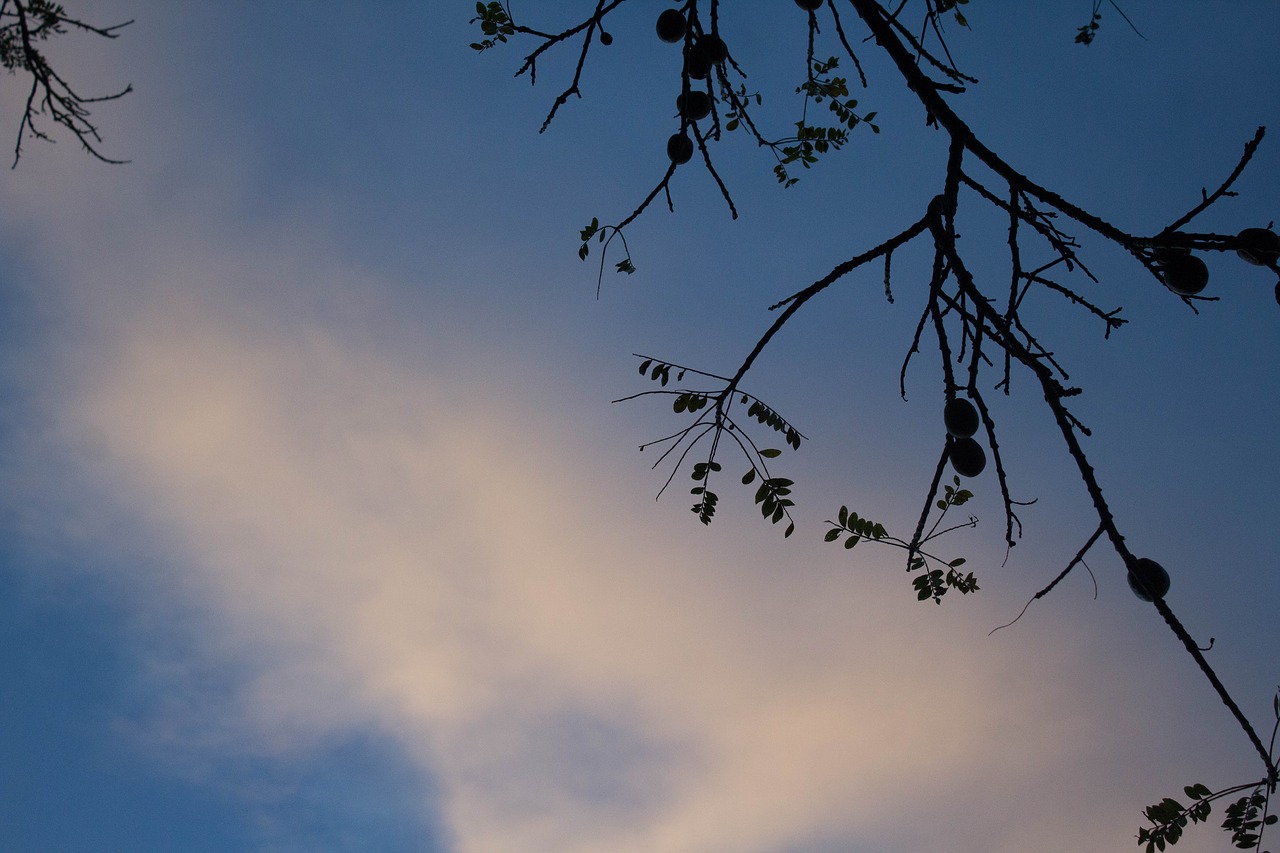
(25, 23)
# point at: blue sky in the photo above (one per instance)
(319, 531)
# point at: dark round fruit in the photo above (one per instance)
(680, 148)
(809, 5)
(698, 61)
(1259, 246)
(716, 48)
(1148, 579)
(1183, 272)
(605, 38)
(967, 457)
(960, 417)
(694, 106)
(671, 26)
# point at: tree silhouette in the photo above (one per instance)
(980, 332)
(24, 26)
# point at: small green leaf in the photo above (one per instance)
(770, 453)
(832, 535)
(748, 477)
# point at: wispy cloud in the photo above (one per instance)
(415, 551)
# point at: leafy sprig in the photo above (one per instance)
(1247, 817)
(715, 410)
(932, 583)
(811, 141)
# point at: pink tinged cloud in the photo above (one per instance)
(414, 553)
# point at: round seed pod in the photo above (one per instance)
(695, 106)
(698, 61)
(1182, 272)
(960, 417)
(671, 26)
(967, 457)
(1148, 579)
(1259, 246)
(716, 48)
(680, 148)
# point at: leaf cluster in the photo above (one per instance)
(716, 419)
(1246, 818)
(931, 583)
(811, 141)
(494, 23)
(941, 7)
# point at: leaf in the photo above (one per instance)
(748, 477)
(770, 453)
(851, 541)
(832, 535)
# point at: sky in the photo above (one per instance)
(319, 531)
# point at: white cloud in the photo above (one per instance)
(425, 554)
